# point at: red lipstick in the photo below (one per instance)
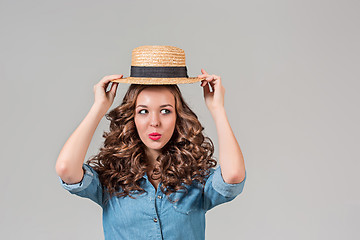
(155, 136)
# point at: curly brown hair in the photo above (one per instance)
(121, 162)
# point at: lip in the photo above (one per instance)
(154, 136)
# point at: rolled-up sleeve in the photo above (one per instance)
(217, 191)
(89, 186)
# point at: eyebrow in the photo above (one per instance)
(165, 105)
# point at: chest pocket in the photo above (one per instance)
(187, 201)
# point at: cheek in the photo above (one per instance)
(139, 124)
(171, 124)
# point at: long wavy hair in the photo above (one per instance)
(121, 162)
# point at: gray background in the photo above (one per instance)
(291, 74)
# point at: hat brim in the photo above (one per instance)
(157, 81)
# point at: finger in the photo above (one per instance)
(107, 79)
(114, 88)
(210, 81)
(206, 89)
(209, 78)
(110, 77)
(121, 76)
(203, 82)
(214, 79)
(217, 81)
(210, 84)
(202, 75)
(105, 84)
(203, 71)
(217, 77)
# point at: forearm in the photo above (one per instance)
(230, 155)
(71, 157)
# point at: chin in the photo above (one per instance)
(155, 146)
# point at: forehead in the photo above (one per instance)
(156, 95)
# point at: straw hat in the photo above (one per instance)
(158, 65)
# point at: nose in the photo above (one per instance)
(155, 122)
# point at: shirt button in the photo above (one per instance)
(159, 197)
(155, 219)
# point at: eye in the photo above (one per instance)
(168, 111)
(142, 110)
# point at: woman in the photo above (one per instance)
(154, 176)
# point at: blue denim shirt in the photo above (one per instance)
(151, 215)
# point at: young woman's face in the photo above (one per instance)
(155, 113)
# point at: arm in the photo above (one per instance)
(231, 158)
(71, 158)
(230, 155)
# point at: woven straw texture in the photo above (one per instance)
(164, 56)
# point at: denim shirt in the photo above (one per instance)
(151, 215)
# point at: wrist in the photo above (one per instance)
(219, 114)
(99, 108)
(218, 110)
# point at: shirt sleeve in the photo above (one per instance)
(217, 191)
(89, 186)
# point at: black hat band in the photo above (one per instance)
(158, 72)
